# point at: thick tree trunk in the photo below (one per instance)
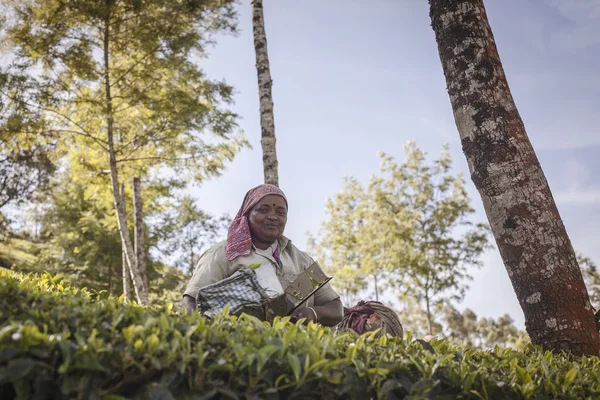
(267, 120)
(139, 239)
(138, 284)
(529, 232)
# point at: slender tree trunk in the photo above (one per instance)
(139, 239)
(267, 119)
(126, 285)
(124, 266)
(376, 287)
(529, 232)
(191, 267)
(428, 310)
(110, 279)
(136, 277)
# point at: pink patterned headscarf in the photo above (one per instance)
(239, 239)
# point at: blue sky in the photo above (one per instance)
(350, 80)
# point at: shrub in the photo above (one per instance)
(58, 342)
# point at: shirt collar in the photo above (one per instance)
(283, 242)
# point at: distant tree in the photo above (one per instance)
(414, 318)
(185, 231)
(265, 95)
(345, 246)
(407, 232)
(527, 226)
(421, 219)
(118, 83)
(482, 333)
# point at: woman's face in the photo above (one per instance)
(267, 219)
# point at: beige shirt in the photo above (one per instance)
(214, 266)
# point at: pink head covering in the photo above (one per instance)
(239, 239)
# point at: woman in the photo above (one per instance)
(256, 236)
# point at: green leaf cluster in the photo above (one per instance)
(57, 341)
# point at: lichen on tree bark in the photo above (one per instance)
(529, 232)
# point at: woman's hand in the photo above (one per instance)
(308, 313)
(189, 303)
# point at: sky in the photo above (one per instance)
(351, 80)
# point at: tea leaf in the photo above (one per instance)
(16, 370)
(570, 376)
(295, 365)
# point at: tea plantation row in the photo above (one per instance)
(60, 342)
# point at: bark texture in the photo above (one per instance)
(265, 83)
(141, 293)
(139, 238)
(529, 232)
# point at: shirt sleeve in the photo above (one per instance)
(325, 294)
(210, 269)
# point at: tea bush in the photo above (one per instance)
(60, 342)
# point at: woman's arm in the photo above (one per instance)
(211, 268)
(329, 313)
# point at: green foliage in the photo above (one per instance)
(409, 228)
(57, 341)
(170, 124)
(166, 113)
(19, 253)
(482, 333)
(345, 249)
(27, 256)
(80, 232)
(80, 239)
(26, 158)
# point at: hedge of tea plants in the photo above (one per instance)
(61, 342)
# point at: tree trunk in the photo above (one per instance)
(125, 268)
(267, 120)
(139, 239)
(428, 310)
(126, 288)
(529, 232)
(376, 287)
(138, 283)
(110, 279)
